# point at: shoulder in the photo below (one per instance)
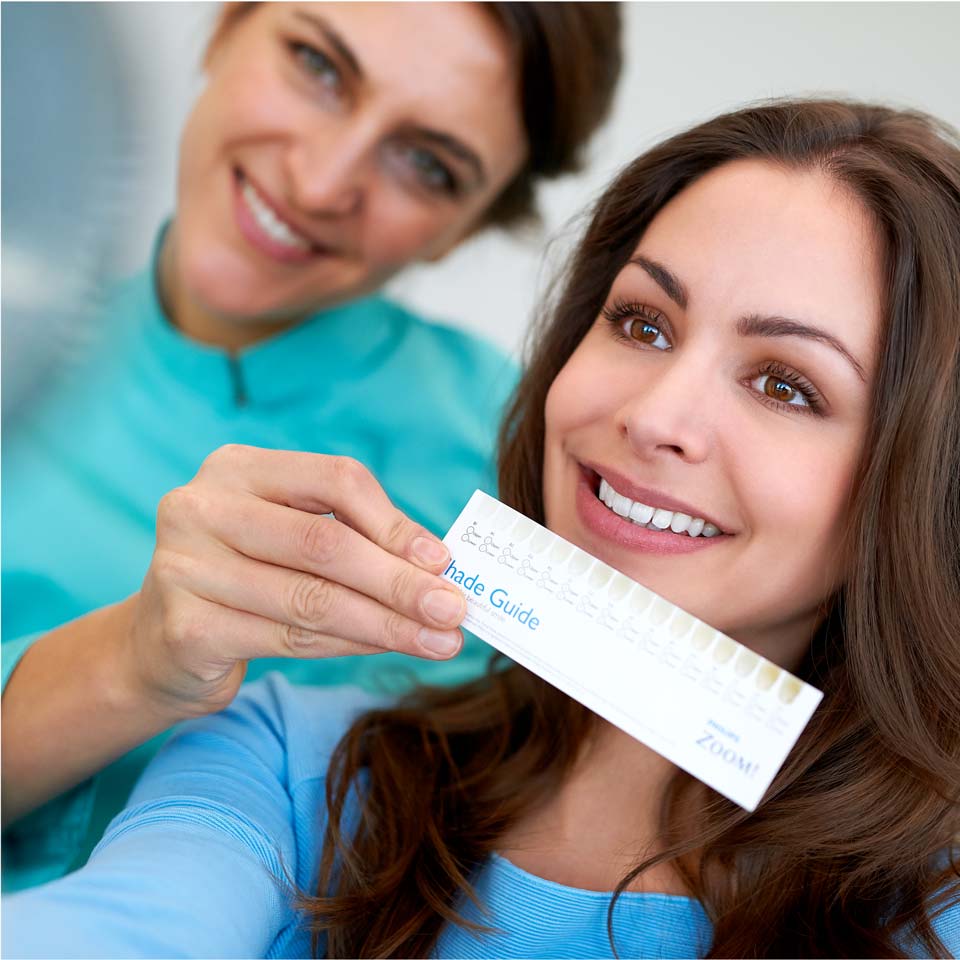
(308, 720)
(286, 732)
(462, 352)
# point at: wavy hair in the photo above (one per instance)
(851, 851)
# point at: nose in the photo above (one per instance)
(328, 170)
(670, 414)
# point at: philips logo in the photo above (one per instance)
(727, 754)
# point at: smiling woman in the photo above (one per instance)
(311, 168)
(750, 404)
(500, 817)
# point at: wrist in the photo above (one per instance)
(126, 681)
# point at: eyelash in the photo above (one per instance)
(620, 311)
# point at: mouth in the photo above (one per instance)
(643, 520)
(267, 228)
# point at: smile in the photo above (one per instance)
(666, 526)
(653, 518)
(269, 222)
(266, 229)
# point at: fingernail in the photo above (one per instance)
(440, 642)
(443, 606)
(430, 552)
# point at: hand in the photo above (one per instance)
(247, 564)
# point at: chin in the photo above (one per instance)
(224, 285)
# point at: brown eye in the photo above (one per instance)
(644, 331)
(637, 323)
(779, 390)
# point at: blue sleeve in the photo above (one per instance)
(947, 927)
(195, 865)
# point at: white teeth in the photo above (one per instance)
(661, 519)
(680, 522)
(652, 518)
(269, 222)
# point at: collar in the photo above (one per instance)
(347, 342)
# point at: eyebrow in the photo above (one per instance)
(758, 326)
(334, 39)
(753, 325)
(445, 141)
(671, 286)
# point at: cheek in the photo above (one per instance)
(801, 492)
(563, 414)
(400, 228)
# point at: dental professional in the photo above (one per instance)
(759, 330)
(222, 434)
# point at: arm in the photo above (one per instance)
(69, 709)
(265, 553)
(191, 867)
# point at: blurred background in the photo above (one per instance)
(94, 95)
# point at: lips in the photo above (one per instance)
(270, 228)
(604, 526)
(646, 495)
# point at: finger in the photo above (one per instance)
(201, 625)
(329, 549)
(322, 484)
(301, 604)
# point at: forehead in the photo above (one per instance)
(755, 237)
(450, 61)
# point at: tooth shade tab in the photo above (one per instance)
(653, 518)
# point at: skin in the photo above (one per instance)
(246, 564)
(339, 150)
(692, 421)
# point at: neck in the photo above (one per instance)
(195, 321)
(602, 822)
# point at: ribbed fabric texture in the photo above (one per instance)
(233, 805)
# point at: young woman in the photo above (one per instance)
(760, 330)
(333, 145)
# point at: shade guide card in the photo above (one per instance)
(705, 702)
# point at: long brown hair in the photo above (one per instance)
(568, 58)
(851, 850)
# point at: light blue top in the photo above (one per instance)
(135, 416)
(235, 801)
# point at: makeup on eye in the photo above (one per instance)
(633, 321)
(783, 386)
(637, 324)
